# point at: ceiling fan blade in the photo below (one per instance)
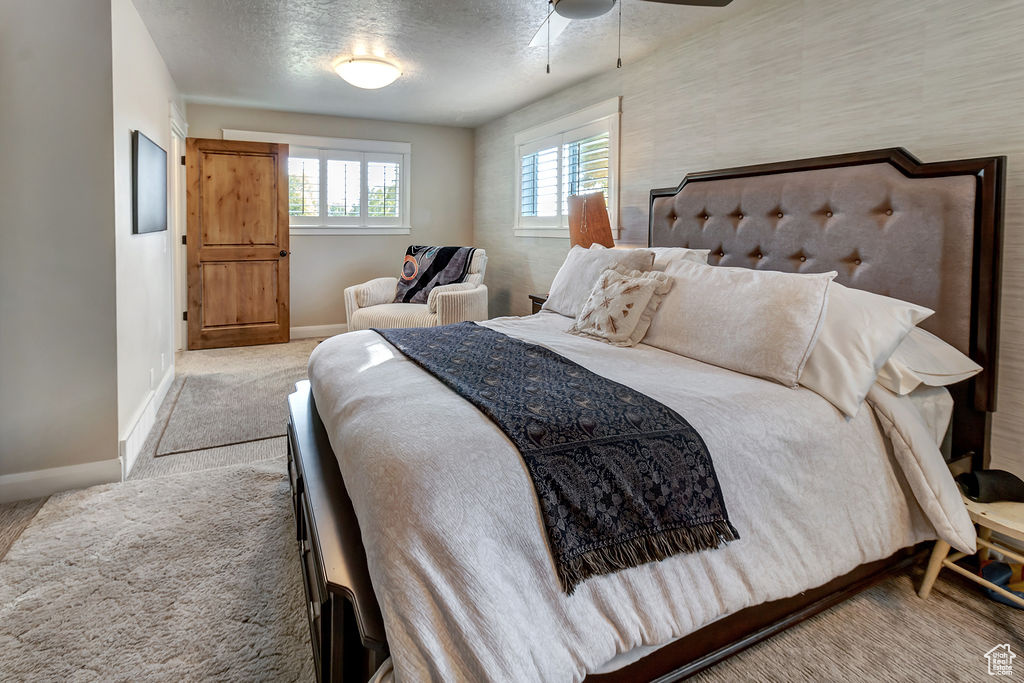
(695, 3)
(558, 24)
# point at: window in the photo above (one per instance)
(576, 154)
(383, 186)
(303, 186)
(344, 188)
(341, 186)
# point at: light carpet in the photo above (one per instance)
(250, 362)
(886, 633)
(14, 517)
(226, 408)
(223, 397)
(188, 577)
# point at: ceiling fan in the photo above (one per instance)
(562, 12)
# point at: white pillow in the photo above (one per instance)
(861, 331)
(923, 358)
(758, 322)
(663, 256)
(580, 271)
(666, 255)
(935, 406)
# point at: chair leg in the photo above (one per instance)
(985, 534)
(939, 553)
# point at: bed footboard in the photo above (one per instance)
(345, 624)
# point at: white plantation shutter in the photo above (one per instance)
(539, 178)
(585, 164)
(579, 158)
(363, 189)
(344, 188)
(383, 186)
(303, 185)
(528, 185)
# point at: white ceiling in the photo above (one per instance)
(465, 62)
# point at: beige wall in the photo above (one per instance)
(142, 92)
(790, 79)
(58, 379)
(323, 265)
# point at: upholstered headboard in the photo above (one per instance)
(926, 233)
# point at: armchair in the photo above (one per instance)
(370, 304)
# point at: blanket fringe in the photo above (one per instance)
(643, 549)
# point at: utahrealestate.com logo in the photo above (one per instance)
(1000, 660)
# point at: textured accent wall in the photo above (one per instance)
(786, 80)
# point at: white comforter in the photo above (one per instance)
(457, 550)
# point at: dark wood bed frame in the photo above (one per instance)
(346, 626)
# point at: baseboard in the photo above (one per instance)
(129, 447)
(318, 331)
(24, 485)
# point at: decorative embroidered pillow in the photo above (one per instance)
(621, 305)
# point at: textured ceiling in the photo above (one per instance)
(464, 62)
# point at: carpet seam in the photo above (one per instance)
(223, 445)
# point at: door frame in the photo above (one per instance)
(179, 131)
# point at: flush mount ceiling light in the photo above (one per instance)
(364, 72)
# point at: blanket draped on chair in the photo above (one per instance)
(427, 267)
(621, 480)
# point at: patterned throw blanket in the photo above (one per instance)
(621, 480)
(427, 267)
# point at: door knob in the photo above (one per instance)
(284, 253)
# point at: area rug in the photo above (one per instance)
(185, 577)
(224, 408)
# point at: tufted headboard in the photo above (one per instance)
(887, 223)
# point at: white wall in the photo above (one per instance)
(142, 92)
(323, 265)
(58, 379)
(790, 79)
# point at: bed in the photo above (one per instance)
(440, 563)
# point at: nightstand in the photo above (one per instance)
(1004, 518)
(538, 301)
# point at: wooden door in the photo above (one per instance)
(237, 243)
